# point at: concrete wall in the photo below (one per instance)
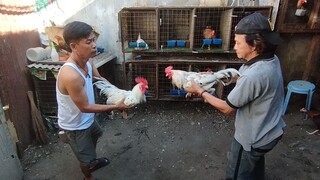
(103, 14)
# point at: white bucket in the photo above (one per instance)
(36, 54)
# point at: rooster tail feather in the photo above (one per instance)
(103, 86)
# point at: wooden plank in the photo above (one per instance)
(314, 19)
(313, 55)
(182, 61)
(192, 23)
(225, 27)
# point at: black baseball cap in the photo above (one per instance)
(257, 23)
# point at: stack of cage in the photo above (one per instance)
(178, 37)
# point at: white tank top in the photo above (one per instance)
(69, 115)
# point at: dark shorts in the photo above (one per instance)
(83, 142)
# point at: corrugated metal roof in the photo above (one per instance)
(53, 67)
(98, 61)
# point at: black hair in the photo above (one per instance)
(75, 31)
(260, 43)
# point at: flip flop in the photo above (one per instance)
(101, 163)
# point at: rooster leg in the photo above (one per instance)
(124, 114)
(226, 83)
(188, 95)
(202, 46)
(111, 115)
(211, 91)
(209, 47)
(223, 83)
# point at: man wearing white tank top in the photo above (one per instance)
(75, 97)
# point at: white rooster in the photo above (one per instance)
(115, 95)
(182, 79)
(178, 77)
(141, 41)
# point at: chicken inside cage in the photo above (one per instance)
(208, 35)
(188, 38)
(138, 29)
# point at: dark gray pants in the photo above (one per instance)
(247, 165)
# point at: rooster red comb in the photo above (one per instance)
(168, 69)
(141, 80)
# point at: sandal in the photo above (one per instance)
(101, 163)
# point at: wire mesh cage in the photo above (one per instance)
(46, 99)
(135, 22)
(160, 87)
(174, 25)
(146, 70)
(239, 13)
(212, 28)
(46, 94)
(204, 34)
(204, 29)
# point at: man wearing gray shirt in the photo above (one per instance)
(257, 98)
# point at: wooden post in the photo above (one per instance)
(313, 56)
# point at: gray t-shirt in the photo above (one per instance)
(258, 97)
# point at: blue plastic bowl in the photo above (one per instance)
(207, 41)
(217, 41)
(171, 43)
(178, 92)
(141, 45)
(132, 44)
(181, 43)
(135, 44)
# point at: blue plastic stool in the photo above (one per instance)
(300, 87)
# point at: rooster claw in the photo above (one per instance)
(304, 110)
(189, 95)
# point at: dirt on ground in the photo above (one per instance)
(176, 140)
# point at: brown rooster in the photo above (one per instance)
(208, 33)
